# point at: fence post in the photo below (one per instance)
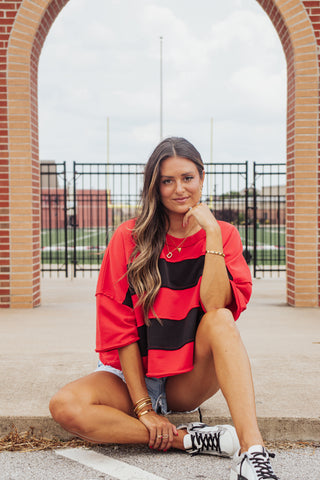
(65, 218)
(74, 221)
(254, 221)
(246, 214)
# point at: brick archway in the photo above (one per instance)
(26, 25)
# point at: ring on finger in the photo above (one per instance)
(165, 436)
(159, 436)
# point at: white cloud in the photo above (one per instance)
(245, 27)
(264, 94)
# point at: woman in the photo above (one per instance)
(171, 284)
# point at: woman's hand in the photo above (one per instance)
(203, 216)
(160, 429)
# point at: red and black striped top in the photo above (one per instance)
(166, 347)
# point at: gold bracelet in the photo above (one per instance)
(138, 409)
(142, 400)
(141, 407)
(145, 412)
(214, 252)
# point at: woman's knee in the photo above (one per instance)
(219, 325)
(67, 410)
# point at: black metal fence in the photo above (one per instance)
(54, 226)
(104, 195)
(80, 211)
(269, 216)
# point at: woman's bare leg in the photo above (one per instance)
(98, 408)
(221, 361)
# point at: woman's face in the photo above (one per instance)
(180, 184)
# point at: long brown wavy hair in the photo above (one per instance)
(152, 224)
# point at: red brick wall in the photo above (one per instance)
(313, 10)
(47, 20)
(8, 12)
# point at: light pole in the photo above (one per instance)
(108, 140)
(161, 92)
(211, 141)
(108, 156)
(211, 168)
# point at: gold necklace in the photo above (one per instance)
(178, 248)
(170, 253)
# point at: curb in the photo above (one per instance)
(272, 429)
(280, 428)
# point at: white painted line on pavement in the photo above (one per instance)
(105, 464)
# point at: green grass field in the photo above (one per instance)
(271, 241)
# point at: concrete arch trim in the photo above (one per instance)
(303, 275)
(33, 21)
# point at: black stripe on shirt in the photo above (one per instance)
(128, 298)
(184, 274)
(181, 275)
(176, 276)
(169, 334)
(142, 342)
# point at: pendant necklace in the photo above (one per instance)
(170, 253)
(178, 248)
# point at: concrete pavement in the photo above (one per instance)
(44, 348)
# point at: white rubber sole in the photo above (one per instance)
(233, 475)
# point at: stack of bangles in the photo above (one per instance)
(141, 404)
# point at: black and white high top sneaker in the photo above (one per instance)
(253, 465)
(219, 440)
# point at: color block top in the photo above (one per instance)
(167, 347)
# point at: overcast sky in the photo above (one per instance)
(221, 60)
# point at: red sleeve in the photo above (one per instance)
(116, 321)
(239, 272)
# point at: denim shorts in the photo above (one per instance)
(156, 388)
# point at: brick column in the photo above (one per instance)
(313, 11)
(303, 161)
(27, 25)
